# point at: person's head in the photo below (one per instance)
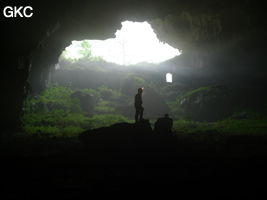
(140, 90)
(166, 115)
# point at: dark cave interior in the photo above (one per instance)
(223, 45)
(221, 42)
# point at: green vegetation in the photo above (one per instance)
(57, 111)
(228, 126)
(56, 123)
(195, 91)
(84, 52)
(64, 111)
(176, 107)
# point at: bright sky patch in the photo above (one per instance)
(169, 78)
(134, 43)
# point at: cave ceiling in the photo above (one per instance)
(100, 19)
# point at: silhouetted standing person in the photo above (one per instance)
(138, 105)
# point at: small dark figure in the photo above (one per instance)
(163, 126)
(138, 106)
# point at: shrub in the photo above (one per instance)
(62, 115)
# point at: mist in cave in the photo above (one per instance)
(133, 95)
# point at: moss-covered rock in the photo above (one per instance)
(205, 104)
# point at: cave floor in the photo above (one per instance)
(176, 167)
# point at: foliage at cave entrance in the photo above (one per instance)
(79, 51)
(62, 111)
(134, 43)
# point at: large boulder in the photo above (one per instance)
(119, 138)
(87, 101)
(205, 104)
(219, 102)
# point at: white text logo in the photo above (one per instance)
(22, 11)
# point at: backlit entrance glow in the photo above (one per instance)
(169, 78)
(135, 42)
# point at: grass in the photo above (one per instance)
(68, 124)
(55, 112)
(227, 126)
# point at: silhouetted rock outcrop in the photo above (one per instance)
(119, 138)
(163, 126)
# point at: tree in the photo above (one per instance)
(86, 49)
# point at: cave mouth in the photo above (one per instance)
(134, 43)
(94, 82)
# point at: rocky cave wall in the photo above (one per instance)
(32, 46)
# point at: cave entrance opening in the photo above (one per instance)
(169, 78)
(134, 43)
(94, 82)
(135, 51)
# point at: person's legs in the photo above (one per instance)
(136, 115)
(141, 113)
